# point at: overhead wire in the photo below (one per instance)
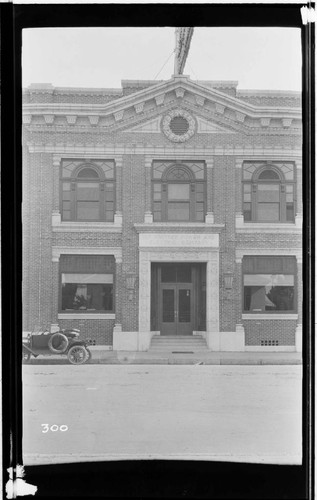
(164, 64)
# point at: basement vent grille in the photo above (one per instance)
(269, 342)
(179, 125)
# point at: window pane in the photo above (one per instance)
(268, 292)
(66, 186)
(157, 196)
(88, 191)
(268, 192)
(247, 197)
(168, 306)
(261, 299)
(87, 210)
(247, 211)
(66, 205)
(184, 306)
(66, 215)
(157, 216)
(178, 191)
(184, 273)
(109, 206)
(157, 188)
(200, 216)
(87, 296)
(157, 206)
(268, 211)
(268, 174)
(247, 188)
(66, 195)
(86, 278)
(199, 196)
(168, 273)
(269, 279)
(290, 212)
(88, 172)
(178, 211)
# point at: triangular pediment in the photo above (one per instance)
(144, 111)
(153, 126)
(148, 127)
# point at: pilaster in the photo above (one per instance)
(148, 216)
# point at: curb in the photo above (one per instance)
(170, 361)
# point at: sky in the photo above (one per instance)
(257, 58)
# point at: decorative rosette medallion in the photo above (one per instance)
(178, 125)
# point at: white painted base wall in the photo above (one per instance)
(225, 341)
(132, 341)
(299, 338)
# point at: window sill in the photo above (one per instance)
(269, 227)
(86, 316)
(172, 226)
(279, 316)
(82, 227)
(95, 226)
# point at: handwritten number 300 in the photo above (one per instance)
(54, 428)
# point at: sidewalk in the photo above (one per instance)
(102, 356)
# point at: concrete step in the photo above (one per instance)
(178, 344)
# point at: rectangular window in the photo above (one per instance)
(87, 292)
(269, 284)
(87, 284)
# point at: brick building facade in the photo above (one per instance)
(169, 207)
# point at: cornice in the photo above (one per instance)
(184, 150)
(178, 88)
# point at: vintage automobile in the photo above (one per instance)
(63, 342)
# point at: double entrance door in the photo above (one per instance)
(176, 299)
(176, 309)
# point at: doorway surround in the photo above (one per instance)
(179, 247)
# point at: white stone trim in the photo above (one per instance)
(241, 252)
(59, 250)
(86, 316)
(259, 316)
(147, 256)
(183, 150)
(299, 338)
(265, 227)
(169, 133)
(85, 227)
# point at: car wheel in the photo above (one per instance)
(77, 355)
(26, 356)
(58, 343)
(88, 354)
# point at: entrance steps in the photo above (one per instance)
(178, 344)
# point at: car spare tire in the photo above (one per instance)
(58, 343)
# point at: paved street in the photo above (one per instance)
(235, 413)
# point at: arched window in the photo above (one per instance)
(178, 192)
(268, 194)
(87, 191)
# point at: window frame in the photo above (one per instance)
(192, 181)
(293, 273)
(74, 181)
(254, 203)
(111, 270)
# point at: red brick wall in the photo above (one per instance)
(40, 198)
